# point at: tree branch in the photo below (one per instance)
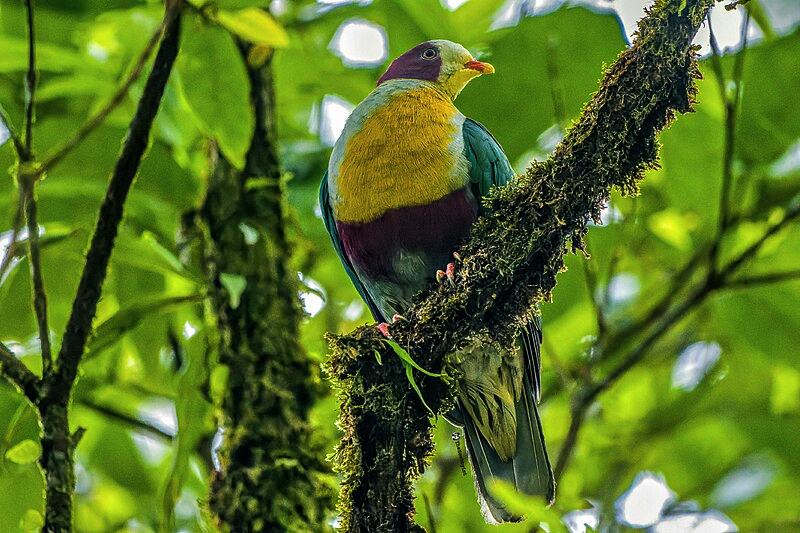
(731, 103)
(764, 279)
(665, 315)
(30, 83)
(27, 185)
(510, 262)
(58, 444)
(110, 214)
(792, 214)
(18, 374)
(124, 419)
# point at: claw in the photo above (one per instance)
(383, 327)
(449, 272)
(456, 256)
(396, 317)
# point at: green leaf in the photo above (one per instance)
(217, 89)
(24, 452)
(230, 4)
(32, 521)
(785, 397)
(74, 85)
(672, 227)
(413, 382)
(125, 320)
(191, 410)
(254, 25)
(771, 72)
(409, 365)
(406, 358)
(235, 285)
(533, 508)
(48, 57)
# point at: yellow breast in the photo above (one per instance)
(407, 152)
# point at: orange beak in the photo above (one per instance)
(483, 68)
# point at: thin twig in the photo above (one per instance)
(127, 420)
(37, 281)
(792, 213)
(624, 334)
(662, 326)
(763, 279)
(100, 116)
(731, 102)
(30, 83)
(577, 416)
(11, 249)
(556, 87)
(18, 374)
(727, 156)
(19, 147)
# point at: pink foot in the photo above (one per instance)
(383, 327)
(449, 272)
(396, 317)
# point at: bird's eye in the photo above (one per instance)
(430, 53)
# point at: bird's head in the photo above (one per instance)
(446, 64)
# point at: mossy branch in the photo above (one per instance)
(509, 263)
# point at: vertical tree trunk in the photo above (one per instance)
(272, 479)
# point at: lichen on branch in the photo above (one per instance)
(509, 263)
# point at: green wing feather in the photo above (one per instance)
(489, 166)
(330, 225)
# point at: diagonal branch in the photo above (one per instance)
(18, 374)
(110, 215)
(510, 262)
(99, 117)
(764, 279)
(666, 314)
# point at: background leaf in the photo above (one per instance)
(216, 86)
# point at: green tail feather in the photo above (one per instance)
(528, 471)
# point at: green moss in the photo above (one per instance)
(273, 475)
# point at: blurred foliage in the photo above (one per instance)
(729, 443)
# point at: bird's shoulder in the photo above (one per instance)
(489, 166)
